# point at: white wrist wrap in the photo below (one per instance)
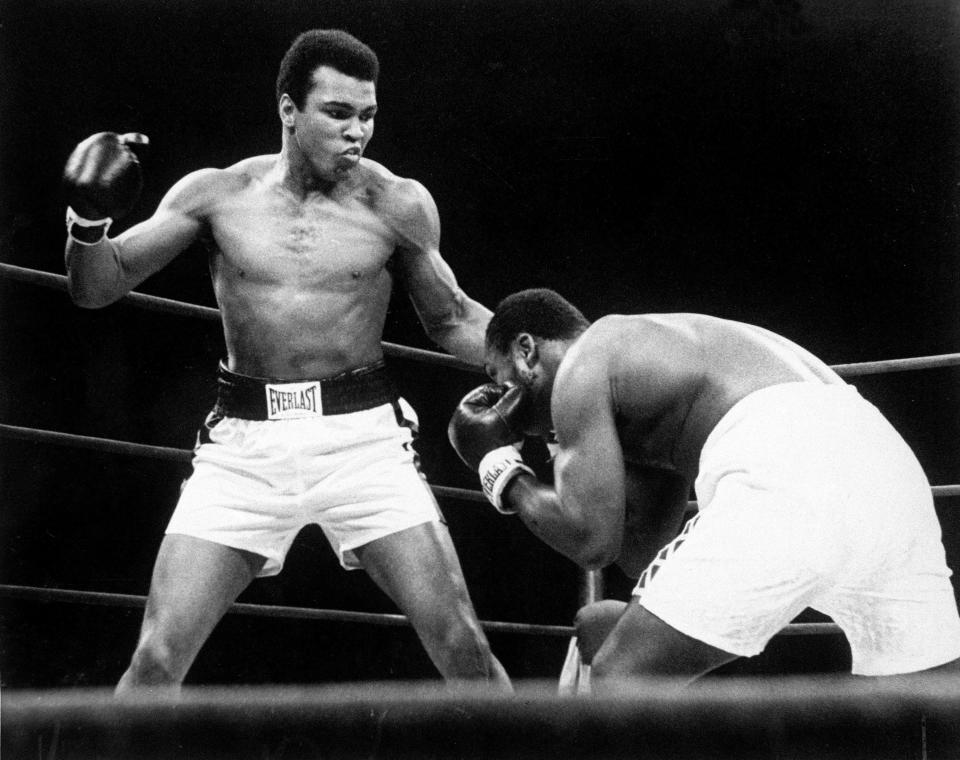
(497, 468)
(74, 218)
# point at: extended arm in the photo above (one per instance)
(101, 269)
(450, 317)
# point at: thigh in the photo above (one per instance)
(641, 644)
(194, 583)
(419, 569)
(741, 569)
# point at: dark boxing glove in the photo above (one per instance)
(484, 432)
(102, 180)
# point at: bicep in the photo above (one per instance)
(151, 244)
(429, 280)
(426, 275)
(588, 470)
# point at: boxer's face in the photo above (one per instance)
(521, 366)
(336, 122)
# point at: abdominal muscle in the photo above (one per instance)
(296, 332)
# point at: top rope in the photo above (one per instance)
(394, 350)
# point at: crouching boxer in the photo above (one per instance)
(807, 495)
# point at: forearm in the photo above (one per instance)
(541, 510)
(463, 332)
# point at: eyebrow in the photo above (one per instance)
(348, 106)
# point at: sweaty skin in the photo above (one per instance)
(694, 368)
(632, 401)
(303, 285)
(303, 249)
(299, 244)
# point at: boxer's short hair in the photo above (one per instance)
(538, 311)
(323, 47)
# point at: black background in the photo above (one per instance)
(790, 164)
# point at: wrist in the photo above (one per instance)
(86, 231)
(497, 469)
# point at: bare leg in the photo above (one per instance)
(641, 644)
(419, 569)
(194, 583)
(594, 623)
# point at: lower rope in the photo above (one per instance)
(73, 596)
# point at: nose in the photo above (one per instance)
(354, 129)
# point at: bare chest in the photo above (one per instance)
(264, 240)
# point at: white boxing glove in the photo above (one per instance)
(497, 469)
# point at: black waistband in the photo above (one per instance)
(256, 398)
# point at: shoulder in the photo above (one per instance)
(403, 203)
(580, 399)
(402, 196)
(613, 346)
(626, 336)
(587, 359)
(603, 340)
(203, 187)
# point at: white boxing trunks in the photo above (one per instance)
(322, 458)
(809, 498)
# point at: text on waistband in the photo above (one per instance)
(290, 401)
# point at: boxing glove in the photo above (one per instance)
(485, 434)
(102, 180)
(483, 421)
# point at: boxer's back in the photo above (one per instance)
(673, 376)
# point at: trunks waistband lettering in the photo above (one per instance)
(255, 398)
(292, 401)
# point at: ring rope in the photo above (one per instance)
(179, 308)
(394, 350)
(884, 366)
(170, 306)
(161, 452)
(185, 455)
(805, 717)
(76, 596)
(73, 596)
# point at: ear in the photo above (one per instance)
(525, 350)
(287, 110)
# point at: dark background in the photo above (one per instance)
(790, 164)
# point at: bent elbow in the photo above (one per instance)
(441, 325)
(598, 551)
(598, 560)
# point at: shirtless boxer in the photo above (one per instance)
(308, 427)
(807, 496)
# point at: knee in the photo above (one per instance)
(464, 636)
(593, 624)
(461, 645)
(155, 663)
